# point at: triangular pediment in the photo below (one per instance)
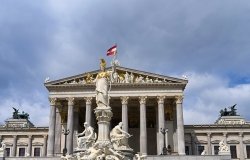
(122, 76)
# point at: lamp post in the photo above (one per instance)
(164, 149)
(65, 133)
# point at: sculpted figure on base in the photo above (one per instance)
(102, 85)
(87, 138)
(223, 147)
(119, 138)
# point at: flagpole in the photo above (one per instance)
(113, 70)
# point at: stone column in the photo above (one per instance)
(124, 101)
(180, 126)
(242, 154)
(52, 121)
(193, 144)
(13, 153)
(225, 137)
(76, 125)
(88, 116)
(58, 129)
(45, 137)
(209, 149)
(143, 125)
(70, 125)
(29, 149)
(161, 124)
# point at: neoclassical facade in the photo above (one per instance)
(234, 130)
(23, 139)
(144, 102)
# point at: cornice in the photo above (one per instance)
(180, 86)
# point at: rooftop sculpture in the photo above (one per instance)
(232, 111)
(17, 115)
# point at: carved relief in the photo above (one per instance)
(120, 76)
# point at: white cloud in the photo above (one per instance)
(207, 94)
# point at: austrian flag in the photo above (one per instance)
(112, 51)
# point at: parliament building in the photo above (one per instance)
(146, 103)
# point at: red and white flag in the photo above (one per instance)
(112, 51)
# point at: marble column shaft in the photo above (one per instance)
(124, 101)
(143, 125)
(193, 144)
(76, 125)
(13, 153)
(180, 126)
(161, 124)
(58, 130)
(209, 148)
(88, 113)
(29, 149)
(70, 125)
(45, 137)
(242, 154)
(52, 121)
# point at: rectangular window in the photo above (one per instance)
(248, 151)
(200, 149)
(7, 152)
(216, 150)
(233, 151)
(187, 150)
(21, 152)
(36, 152)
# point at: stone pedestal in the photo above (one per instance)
(103, 116)
(2, 153)
(224, 153)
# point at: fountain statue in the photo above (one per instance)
(109, 145)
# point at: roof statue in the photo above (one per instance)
(232, 111)
(17, 115)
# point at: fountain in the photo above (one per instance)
(110, 145)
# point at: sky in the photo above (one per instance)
(208, 41)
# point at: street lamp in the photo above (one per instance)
(65, 133)
(164, 149)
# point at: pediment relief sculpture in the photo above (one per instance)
(121, 76)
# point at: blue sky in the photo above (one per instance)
(206, 40)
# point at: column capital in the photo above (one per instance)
(179, 99)
(240, 134)
(160, 99)
(71, 100)
(88, 100)
(14, 136)
(29, 136)
(45, 136)
(142, 99)
(209, 134)
(124, 100)
(52, 101)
